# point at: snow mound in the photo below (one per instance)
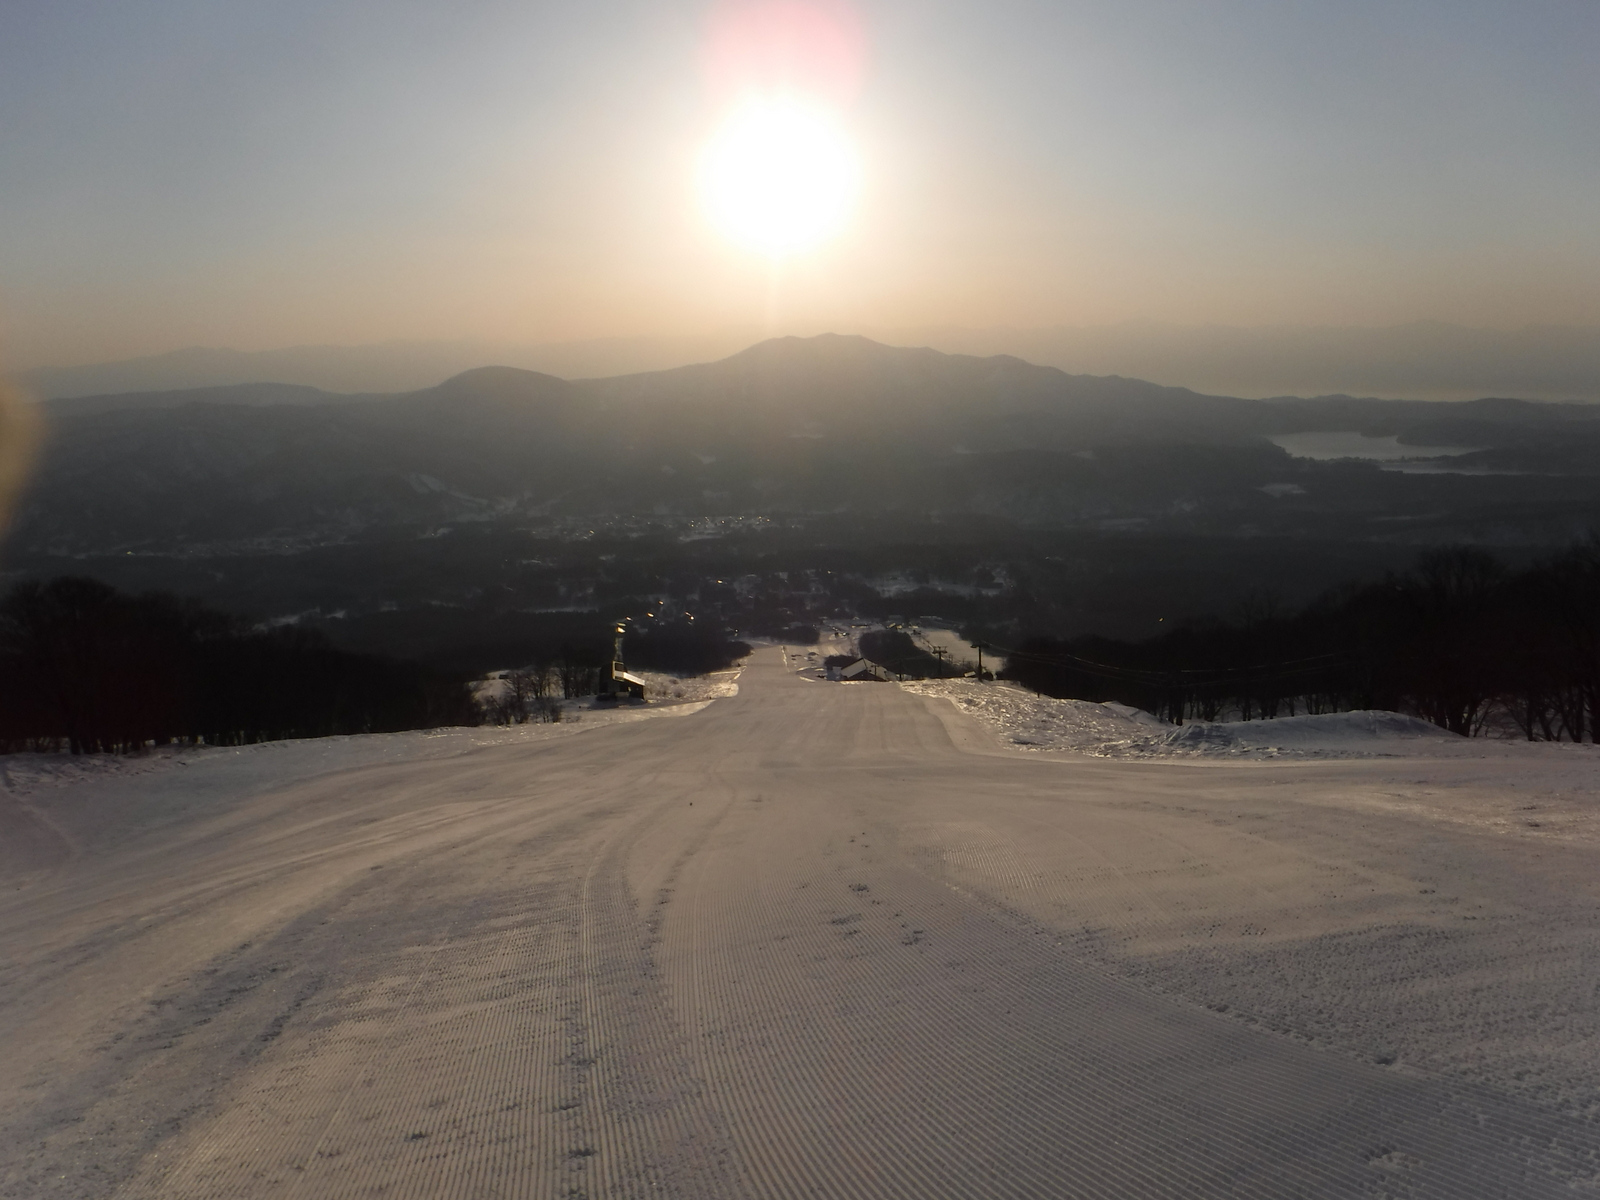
(1027, 721)
(1326, 732)
(1136, 715)
(1031, 722)
(663, 688)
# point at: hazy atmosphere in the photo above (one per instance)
(769, 599)
(519, 174)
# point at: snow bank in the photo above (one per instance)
(271, 763)
(687, 689)
(1326, 733)
(1031, 722)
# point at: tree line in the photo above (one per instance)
(87, 668)
(90, 669)
(1460, 640)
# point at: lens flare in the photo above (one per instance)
(780, 177)
(19, 429)
(811, 48)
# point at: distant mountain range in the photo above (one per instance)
(1427, 360)
(789, 428)
(1424, 360)
(398, 366)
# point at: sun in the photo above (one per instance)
(780, 177)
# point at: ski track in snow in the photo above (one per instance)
(817, 940)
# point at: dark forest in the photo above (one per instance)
(88, 668)
(1460, 640)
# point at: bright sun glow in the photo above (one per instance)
(780, 177)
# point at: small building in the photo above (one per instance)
(620, 682)
(856, 670)
(834, 663)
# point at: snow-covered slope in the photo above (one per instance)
(1371, 731)
(642, 961)
(1032, 722)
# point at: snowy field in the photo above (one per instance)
(853, 940)
(681, 689)
(1027, 721)
(91, 800)
(272, 762)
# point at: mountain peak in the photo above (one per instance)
(819, 345)
(505, 385)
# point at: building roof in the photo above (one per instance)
(859, 668)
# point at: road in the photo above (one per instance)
(813, 941)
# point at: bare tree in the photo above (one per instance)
(520, 690)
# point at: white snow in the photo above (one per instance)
(679, 689)
(1313, 922)
(1371, 731)
(1028, 721)
(273, 763)
(1034, 722)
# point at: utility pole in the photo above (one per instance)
(979, 647)
(939, 652)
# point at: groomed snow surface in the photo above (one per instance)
(282, 762)
(814, 939)
(96, 797)
(1028, 721)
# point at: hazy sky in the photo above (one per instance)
(181, 172)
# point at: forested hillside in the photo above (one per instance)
(1460, 640)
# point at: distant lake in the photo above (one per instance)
(1354, 445)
